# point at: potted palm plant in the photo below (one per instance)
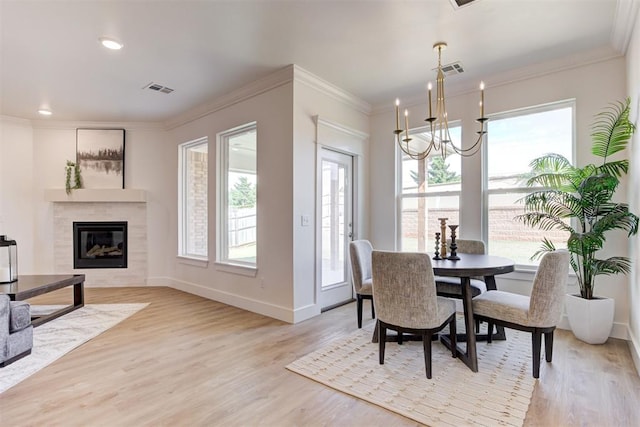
(578, 200)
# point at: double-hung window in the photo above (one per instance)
(429, 190)
(237, 196)
(193, 216)
(515, 139)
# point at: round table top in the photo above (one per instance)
(473, 265)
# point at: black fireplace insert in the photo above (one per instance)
(100, 244)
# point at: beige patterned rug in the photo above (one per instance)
(499, 394)
(56, 338)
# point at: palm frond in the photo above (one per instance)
(611, 130)
(613, 265)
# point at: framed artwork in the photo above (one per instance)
(100, 155)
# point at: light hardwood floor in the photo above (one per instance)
(188, 361)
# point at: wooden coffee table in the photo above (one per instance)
(30, 286)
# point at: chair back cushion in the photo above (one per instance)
(360, 253)
(549, 288)
(468, 246)
(404, 290)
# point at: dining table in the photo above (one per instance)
(467, 267)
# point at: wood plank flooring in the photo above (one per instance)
(188, 361)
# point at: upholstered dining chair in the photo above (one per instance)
(405, 294)
(538, 314)
(360, 253)
(450, 286)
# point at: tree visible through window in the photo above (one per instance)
(430, 190)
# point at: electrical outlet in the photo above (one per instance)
(304, 220)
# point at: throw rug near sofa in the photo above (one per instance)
(54, 339)
(498, 394)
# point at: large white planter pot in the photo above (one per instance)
(591, 320)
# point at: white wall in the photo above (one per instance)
(633, 90)
(593, 86)
(34, 156)
(315, 98)
(16, 183)
(270, 291)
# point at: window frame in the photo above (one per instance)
(183, 205)
(222, 203)
(541, 108)
(399, 182)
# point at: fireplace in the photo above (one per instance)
(100, 244)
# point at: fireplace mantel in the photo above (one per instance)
(95, 195)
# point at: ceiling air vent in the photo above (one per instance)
(457, 4)
(158, 88)
(451, 69)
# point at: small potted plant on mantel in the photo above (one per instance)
(579, 201)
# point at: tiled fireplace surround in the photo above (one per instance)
(135, 213)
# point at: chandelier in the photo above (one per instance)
(438, 138)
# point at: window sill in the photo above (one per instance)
(193, 261)
(242, 270)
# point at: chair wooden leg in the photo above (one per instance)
(489, 331)
(477, 326)
(426, 343)
(399, 337)
(373, 310)
(359, 298)
(382, 339)
(548, 345)
(453, 334)
(536, 343)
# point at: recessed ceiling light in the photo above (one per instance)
(110, 43)
(44, 112)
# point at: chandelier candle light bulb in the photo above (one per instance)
(429, 87)
(397, 114)
(406, 124)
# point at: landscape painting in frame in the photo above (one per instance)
(100, 154)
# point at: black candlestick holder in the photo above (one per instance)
(437, 247)
(453, 246)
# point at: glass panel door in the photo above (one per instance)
(336, 223)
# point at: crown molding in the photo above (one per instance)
(71, 124)
(623, 23)
(571, 62)
(15, 120)
(341, 128)
(311, 80)
(271, 81)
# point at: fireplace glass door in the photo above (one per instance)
(100, 244)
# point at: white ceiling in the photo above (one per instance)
(377, 50)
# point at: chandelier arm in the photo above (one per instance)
(416, 155)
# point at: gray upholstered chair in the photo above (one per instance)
(538, 314)
(16, 331)
(450, 286)
(360, 252)
(405, 294)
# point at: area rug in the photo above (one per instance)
(499, 394)
(54, 339)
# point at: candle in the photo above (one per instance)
(406, 122)
(481, 99)
(397, 113)
(429, 87)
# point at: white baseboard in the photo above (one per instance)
(634, 348)
(271, 310)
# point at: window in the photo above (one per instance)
(237, 196)
(514, 140)
(193, 216)
(430, 189)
